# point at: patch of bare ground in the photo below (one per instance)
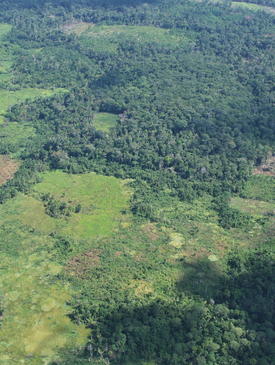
(267, 168)
(76, 27)
(80, 264)
(8, 168)
(151, 231)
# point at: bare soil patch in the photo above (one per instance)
(151, 231)
(76, 27)
(268, 168)
(80, 265)
(8, 168)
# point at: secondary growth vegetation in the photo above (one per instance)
(137, 191)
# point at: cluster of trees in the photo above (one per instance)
(59, 209)
(232, 325)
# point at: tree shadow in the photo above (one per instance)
(218, 317)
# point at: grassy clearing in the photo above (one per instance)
(35, 324)
(9, 98)
(252, 206)
(101, 199)
(260, 187)
(106, 38)
(105, 121)
(76, 27)
(15, 135)
(253, 7)
(4, 29)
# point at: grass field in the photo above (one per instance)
(260, 187)
(105, 38)
(16, 136)
(9, 98)
(35, 323)
(4, 29)
(105, 121)
(253, 7)
(253, 206)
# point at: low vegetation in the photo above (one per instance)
(105, 121)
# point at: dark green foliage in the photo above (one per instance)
(234, 326)
(230, 217)
(58, 209)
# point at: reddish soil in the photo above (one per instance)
(8, 168)
(151, 231)
(80, 265)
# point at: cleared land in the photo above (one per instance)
(106, 38)
(9, 98)
(8, 167)
(105, 121)
(253, 7)
(29, 268)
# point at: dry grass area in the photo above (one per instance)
(8, 168)
(76, 27)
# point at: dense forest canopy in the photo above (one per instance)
(130, 133)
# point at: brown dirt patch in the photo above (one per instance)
(268, 168)
(80, 264)
(151, 231)
(8, 168)
(118, 253)
(76, 27)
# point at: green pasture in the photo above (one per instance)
(4, 29)
(35, 323)
(105, 121)
(101, 199)
(106, 38)
(253, 206)
(15, 137)
(9, 97)
(260, 187)
(253, 7)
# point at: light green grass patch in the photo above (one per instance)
(16, 136)
(105, 121)
(9, 98)
(106, 38)
(4, 29)
(35, 322)
(260, 187)
(102, 199)
(253, 7)
(252, 206)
